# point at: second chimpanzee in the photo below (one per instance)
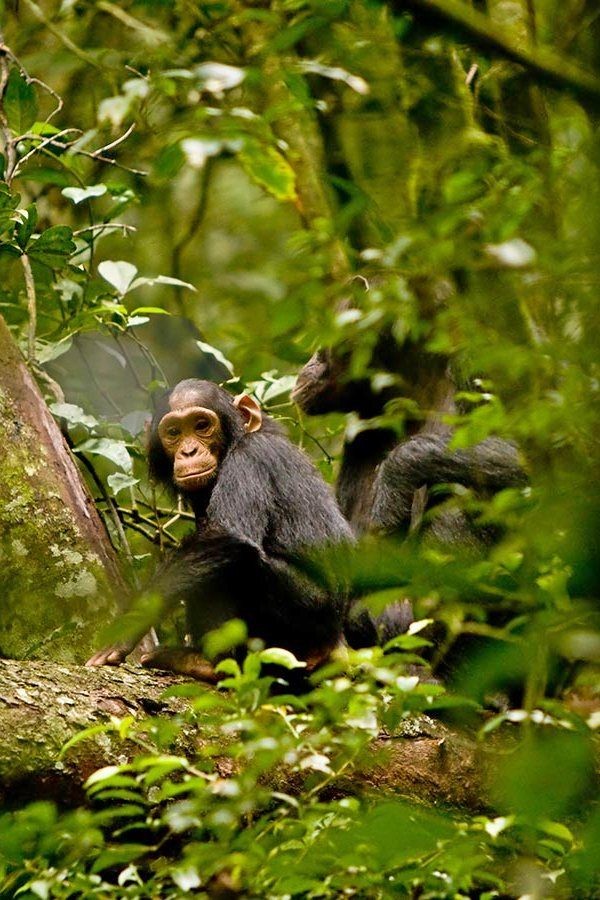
(258, 504)
(391, 486)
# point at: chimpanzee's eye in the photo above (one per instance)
(202, 425)
(173, 431)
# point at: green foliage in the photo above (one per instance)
(244, 830)
(322, 173)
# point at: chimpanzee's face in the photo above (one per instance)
(193, 438)
(199, 428)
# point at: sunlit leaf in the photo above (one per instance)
(110, 449)
(218, 77)
(268, 168)
(73, 414)
(119, 274)
(119, 482)
(78, 195)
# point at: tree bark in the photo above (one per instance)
(43, 704)
(57, 567)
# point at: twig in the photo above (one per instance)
(55, 388)
(93, 154)
(43, 142)
(116, 226)
(97, 153)
(57, 97)
(31, 307)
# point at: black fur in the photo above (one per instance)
(267, 505)
(387, 486)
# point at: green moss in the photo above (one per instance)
(51, 584)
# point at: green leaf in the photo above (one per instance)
(120, 274)
(78, 195)
(53, 247)
(231, 634)
(8, 204)
(51, 350)
(115, 451)
(25, 228)
(74, 415)
(269, 169)
(212, 351)
(281, 657)
(20, 103)
(118, 482)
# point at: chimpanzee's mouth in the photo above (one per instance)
(201, 473)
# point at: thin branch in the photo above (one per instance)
(53, 386)
(57, 97)
(43, 142)
(31, 307)
(97, 153)
(479, 30)
(101, 226)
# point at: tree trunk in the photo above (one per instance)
(57, 567)
(43, 704)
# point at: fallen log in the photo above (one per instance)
(44, 704)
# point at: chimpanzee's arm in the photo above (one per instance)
(425, 461)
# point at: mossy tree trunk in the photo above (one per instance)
(57, 567)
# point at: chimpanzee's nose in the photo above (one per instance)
(189, 451)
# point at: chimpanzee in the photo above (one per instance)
(258, 504)
(387, 486)
(381, 479)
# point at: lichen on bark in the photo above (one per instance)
(56, 564)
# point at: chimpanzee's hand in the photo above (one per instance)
(111, 656)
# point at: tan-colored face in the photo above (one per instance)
(192, 437)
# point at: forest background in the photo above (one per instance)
(217, 189)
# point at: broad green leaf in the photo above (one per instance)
(269, 169)
(110, 449)
(118, 273)
(119, 482)
(73, 414)
(78, 195)
(53, 247)
(51, 351)
(212, 351)
(20, 103)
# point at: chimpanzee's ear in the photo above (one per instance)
(251, 412)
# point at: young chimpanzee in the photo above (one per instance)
(258, 504)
